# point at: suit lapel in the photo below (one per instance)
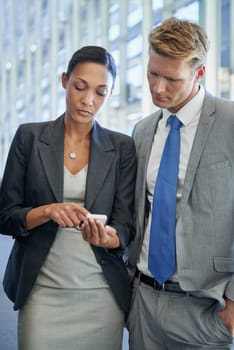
(147, 140)
(51, 149)
(144, 140)
(101, 157)
(204, 128)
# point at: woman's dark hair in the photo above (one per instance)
(96, 54)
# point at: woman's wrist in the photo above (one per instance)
(115, 242)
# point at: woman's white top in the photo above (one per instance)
(71, 262)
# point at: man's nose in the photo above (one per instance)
(159, 85)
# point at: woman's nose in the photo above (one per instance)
(88, 98)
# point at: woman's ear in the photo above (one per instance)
(64, 80)
(111, 92)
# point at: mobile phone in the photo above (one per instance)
(100, 217)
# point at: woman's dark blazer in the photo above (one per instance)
(34, 176)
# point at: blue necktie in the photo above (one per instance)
(162, 259)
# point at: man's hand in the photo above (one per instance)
(227, 315)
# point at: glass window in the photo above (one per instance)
(114, 30)
(83, 20)
(134, 83)
(134, 17)
(157, 4)
(190, 11)
(6, 23)
(225, 33)
(45, 7)
(61, 39)
(135, 46)
(31, 19)
(63, 9)
(116, 54)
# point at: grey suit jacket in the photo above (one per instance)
(205, 226)
(34, 177)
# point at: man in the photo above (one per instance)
(192, 306)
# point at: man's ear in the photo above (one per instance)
(201, 72)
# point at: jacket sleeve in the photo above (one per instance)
(13, 209)
(122, 216)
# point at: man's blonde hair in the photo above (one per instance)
(180, 39)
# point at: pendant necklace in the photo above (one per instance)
(72, 154)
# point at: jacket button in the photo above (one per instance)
(102, 261)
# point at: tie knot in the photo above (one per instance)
(174, 122)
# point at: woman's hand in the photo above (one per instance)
(66, 214)
(94, 232)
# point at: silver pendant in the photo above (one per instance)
(72, 155)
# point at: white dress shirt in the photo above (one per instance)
(189, 115)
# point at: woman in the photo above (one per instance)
(65, 273)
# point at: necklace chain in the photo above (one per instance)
(71, 154)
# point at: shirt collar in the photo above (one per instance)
(190, 110)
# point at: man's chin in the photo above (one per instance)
(160, 103)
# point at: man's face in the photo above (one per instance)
(172, 81)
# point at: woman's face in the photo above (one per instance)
(87, 89)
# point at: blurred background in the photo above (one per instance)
(37, 39)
